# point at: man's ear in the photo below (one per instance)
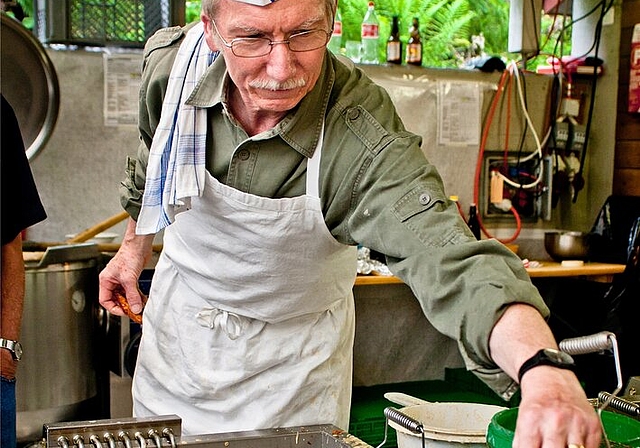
(210, 35)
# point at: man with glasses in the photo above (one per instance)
(266, 160)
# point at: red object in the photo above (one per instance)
(634, 76)
(562, 7)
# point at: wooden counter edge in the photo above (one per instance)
(603, 272)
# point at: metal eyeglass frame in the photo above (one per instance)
(270, 43)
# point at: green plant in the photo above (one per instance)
(25, 12)
(192, 11)
(444, 25)
(491, 18)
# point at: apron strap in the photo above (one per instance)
(313, 168)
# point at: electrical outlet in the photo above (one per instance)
(561, 135)
(578, 137)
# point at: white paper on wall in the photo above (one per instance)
(459, 106)
(122, 77)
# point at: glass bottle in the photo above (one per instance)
(394, 46)
(414, 44)
(369, 32)
(473, 222)
(336, 36)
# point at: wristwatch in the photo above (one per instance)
(13, 346)
(547, 357)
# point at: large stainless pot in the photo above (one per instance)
(59, 376)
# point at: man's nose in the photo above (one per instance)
(280, 65)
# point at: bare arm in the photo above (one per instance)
(124, 269)
(554, 411)
(12, 300)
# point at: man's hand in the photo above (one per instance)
(121, 274)
(555, 412)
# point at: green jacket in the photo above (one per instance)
(377, 190)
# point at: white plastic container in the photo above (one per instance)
(447, 424)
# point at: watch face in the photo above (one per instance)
(17, 349)
(558, 357)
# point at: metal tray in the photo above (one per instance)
(166, 431)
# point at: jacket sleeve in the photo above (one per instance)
(393, 201)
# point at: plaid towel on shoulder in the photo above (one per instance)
(176, 168)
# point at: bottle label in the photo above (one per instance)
(414, 53)
(393, 51)
(337, 29)
(369, 31)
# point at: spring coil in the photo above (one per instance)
(620, 404)
(404, 420)
(588, 344)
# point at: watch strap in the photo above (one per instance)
(542, 359)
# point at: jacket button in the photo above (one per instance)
(244, 154)
(353, 113)
(424, 198)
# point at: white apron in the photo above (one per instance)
(250, 322)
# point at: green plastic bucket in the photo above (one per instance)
(620, 429)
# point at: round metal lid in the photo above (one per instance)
(29, 83)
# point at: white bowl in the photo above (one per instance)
(447, 424)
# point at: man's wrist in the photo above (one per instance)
(547, 357)
(13, 347)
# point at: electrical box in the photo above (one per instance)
(531, 203)
(524, 26)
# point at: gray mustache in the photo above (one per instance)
(268, 84)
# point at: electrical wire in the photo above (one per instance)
(594, 83)
(514, 71)
(505, 83)
(485, 134)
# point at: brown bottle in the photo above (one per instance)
(414, 44)
(473, 221)
(394, 45)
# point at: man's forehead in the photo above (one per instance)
(257, 2)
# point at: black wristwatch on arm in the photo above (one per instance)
(547, 357)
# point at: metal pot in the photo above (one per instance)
(58, 378)
(567, 245)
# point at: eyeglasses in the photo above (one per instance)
(254, 47)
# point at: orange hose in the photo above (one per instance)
(483, 143)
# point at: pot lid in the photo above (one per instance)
(29, 83)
